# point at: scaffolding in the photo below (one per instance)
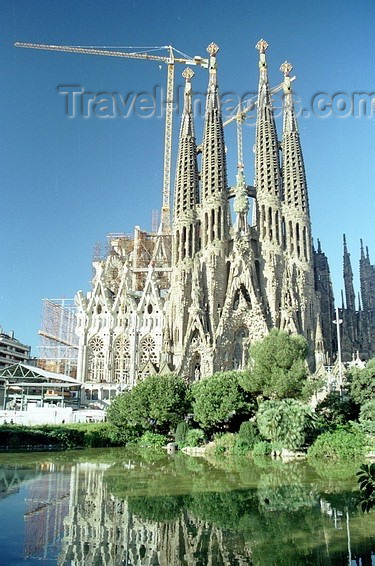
(58, 342)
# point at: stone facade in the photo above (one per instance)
(192, 300)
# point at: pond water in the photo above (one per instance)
(116, 507)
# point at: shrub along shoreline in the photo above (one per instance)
(57, 437)
(262, 410)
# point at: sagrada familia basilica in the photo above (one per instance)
(193, 297)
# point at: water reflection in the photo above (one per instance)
(183, 511)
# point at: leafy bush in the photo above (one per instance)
(278, 368)
(362, 383)
(152, 440)
(219, 400)
(64, 436)
(249, 432)
(225, 444)
(340, 444)
(285, 422)
(367, 417)
(335, 410)
(262, 448)
(181, 432)
(194, 437)
(157, 403)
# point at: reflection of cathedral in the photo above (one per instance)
(101, 530)
(123, 513)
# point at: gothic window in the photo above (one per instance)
(283, 232)
(291, 249)
(304, 242)
(96, 371)
(177, 246)
(277, 227)
(270, 231)
(148, 351)
(236, 300)
(183, 251)
(190, 241)
(122, 360)
(298, 243)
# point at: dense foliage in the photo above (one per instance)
(367, 417)
(366, 483)
(335, 410)
(285, 422)
(158, 403)
(66, 436)
(194, 437)
(181, 432)
(219, 401)
(340, 444)
(362, 383)
(278, 366)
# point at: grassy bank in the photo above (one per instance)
(67, 436)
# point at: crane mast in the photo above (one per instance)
(170, 61)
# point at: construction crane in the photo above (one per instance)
(240, 117)
(170, 61)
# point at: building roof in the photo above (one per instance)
(22, 372)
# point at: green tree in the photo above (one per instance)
(157, 403)
(220, 401)
(335, 410)
(362, 383)
(367, 417)
(285, 422)
(278, 366)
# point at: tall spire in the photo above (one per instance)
(267, 165)
(294, 178)
(214, 172)
(348, 279)
(187, 180)
(367, 280)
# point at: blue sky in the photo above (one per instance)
(67, 182)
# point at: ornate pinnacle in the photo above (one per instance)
(188, 73)
(261, 45)
(212, 49)
(285, 68)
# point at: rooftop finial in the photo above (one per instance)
(188, 73)
(319, 247)
(261, 46)
(212, 49)
(285, 68)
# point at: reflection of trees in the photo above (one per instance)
(286, 488)
(158, 509)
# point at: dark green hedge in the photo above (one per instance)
(64, 436)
